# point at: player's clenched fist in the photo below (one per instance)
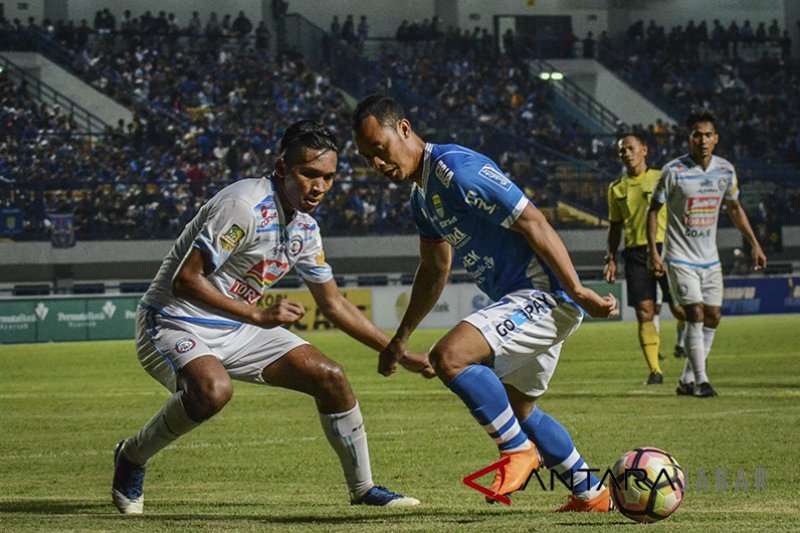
(280, 314)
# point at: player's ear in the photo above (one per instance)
(280, 167)
(404, 127)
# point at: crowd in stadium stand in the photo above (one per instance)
(746, 76)
(210, 109)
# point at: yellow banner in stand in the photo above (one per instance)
(314, 319)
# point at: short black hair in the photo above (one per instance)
(700, 115)
(306, 134)
(386, 110)
(635, 136)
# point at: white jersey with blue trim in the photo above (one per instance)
(468, 201)
(244, 232)
(694, 197)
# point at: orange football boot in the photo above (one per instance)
(516, 473)
(601, 503)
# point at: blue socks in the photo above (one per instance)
(559, 453)
(483, 393)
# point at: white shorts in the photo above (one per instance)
(526, 330)
(693, 285)
(165, 345)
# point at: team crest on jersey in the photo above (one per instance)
(437, 205)
(266, 272)
(495, 176)
(722, 184)
(184, 345)
(295, 245)
(231, 238)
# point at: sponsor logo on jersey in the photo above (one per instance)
(296, 245)
(231, 238)
(266, 272)
(184, 345)
(306, 226)
(701, 211)
(456, 238)
(437, 205)
(245, 292)
(477, 266)
(267, 218)
(444, 174)
(495, 176)
(448, 222)
(474, 199)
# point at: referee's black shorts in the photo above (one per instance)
(641, 284)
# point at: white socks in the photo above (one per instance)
(695, 350)
(169, 423)
(346, 434)
(708, 339)
(681, 334)
(688, 372)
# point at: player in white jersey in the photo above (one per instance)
(198, 325)
(501, 358)
(694, 188)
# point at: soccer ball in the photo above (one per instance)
(647, 485)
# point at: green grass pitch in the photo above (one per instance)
(264, 464)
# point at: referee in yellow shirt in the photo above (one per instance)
(628, 201)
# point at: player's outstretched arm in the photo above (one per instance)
(546, 242)
(429, 282)
(347, 317)
(740, 220)
(191, 282)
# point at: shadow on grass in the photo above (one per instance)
(355, 516)
(54, 507)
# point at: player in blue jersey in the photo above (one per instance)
(199, 325)
(500, 359)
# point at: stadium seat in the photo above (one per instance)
(407, 278)
(137, 287)
(373, 280)
(88, 288)
(40, 289)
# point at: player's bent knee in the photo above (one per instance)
(445, 362)
(332, 379)
(210, 397)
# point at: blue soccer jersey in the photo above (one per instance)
(468, 201)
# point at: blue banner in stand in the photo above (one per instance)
(63, 230)
(751, 296)
(10, 221)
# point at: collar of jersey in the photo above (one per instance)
(427, 156)
(639, 177)
(278, 207)
(691, 164)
